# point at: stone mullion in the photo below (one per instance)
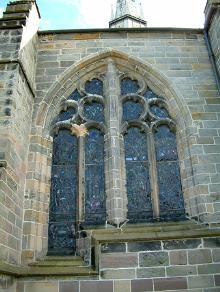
(114, 166)
(80, 203)
(153, 176)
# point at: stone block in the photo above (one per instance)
(144, 246)
(217, 280)
(118, 260)
(201, 281)
(176, 283)
(118, 274)
(181, 271)
(69, 286)
(141, 285)
(178, 257)
(212, 242)
(199, 256)
(151, 272)
(182, 244)
(113, 247)
(122, 286)
(96, 286)
(42, 286)
(208, 269)
(216, 255)
(151, 259)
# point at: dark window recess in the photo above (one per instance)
(95, 209)
(95, 86)
(137, 171)
(62, 213)
(159, 112)
(170, 190)
(75, 96)
(132, 110)
(65, 115)
(94, 111)
(129, 86)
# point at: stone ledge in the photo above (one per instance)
(164, 231)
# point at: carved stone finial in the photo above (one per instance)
(79, 130)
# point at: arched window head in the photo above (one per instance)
(152, 167)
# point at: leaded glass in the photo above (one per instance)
(95, 86)
(62, 215)
(165, 144)
(95, 209)
(149, 94)
(132, 110)
(66, 115)
(171, 197)
(170, 190)
(75, 96)
(94, 111)
(129, 86)
(159, 112)
(137, 172)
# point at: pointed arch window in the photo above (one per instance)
(114, 159)
(77, 180)
(152, 167)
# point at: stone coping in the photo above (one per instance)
(131, 30)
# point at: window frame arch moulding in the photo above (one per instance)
(93, 67)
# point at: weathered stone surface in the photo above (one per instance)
(144, 246)
(119, 260)
(152, 259)
(96, 286)
(170, 284)
(141, 285)
(122, 286)
(178, 257)
(182, 244)
(200, 256)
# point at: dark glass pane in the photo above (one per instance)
(95, 201)
(149, 94)
(171, 197)
(137, 172)
(75, 96)
(159, 112)
(165, 143)
(66, 115)
(131, 110)
(95, 86)
(62, 213)
(65, 148)
(94, 112)
(129, 86)
(135, 145)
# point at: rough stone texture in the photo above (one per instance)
(34, 81)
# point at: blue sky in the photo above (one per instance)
(70, 14)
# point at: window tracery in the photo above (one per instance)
(146, 149)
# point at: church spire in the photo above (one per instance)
(129, 13)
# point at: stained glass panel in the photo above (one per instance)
(137, 172)
(94, 111)
(75, 96)
(66, 115)
(149, 94)
(95, 86)
(132, 110)
(62, 214)
(165, 144)
(95, 201)
(171, 197)
(159, 112)
(129, 86)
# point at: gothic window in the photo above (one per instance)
(152, 167)
(77, 180)
(114, 159)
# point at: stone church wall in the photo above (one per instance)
(35, 75)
